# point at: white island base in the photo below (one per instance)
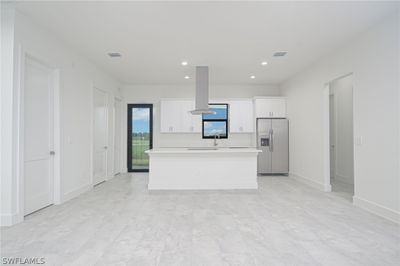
(183, 168)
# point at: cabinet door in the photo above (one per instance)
(164, 114)
(176, 117)
(186, 107)
(247, 116)
(171, 117)
(234, 116)
(241, 116)
(278, 108)
(196, 122)
(262, 108)
(270, 108)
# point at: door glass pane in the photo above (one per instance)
(140, 137)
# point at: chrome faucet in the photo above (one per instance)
(215, 139)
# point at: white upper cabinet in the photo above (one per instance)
(175, 117)
(185, 107)
(171, 120)
(196, 121)
(270, 107)
(241, 118)
(190, 123)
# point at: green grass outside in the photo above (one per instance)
(139, 146)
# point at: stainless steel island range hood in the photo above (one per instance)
(201, 92)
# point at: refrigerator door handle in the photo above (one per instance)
(269, 137)
(271, 140)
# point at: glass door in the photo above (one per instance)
(140, 136)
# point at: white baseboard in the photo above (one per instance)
(328, 187)
(8, 219)
(76, 192)
(377, 209)
(11, 219)
(310, 182)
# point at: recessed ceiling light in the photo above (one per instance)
(184, 63)
(187, 77)
(114, 54)
(252, 77)
(264, 63)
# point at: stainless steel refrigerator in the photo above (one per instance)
(273, 140)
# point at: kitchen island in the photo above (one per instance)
(203, 168)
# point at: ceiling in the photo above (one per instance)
(232, 38)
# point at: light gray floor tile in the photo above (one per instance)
(283, 223)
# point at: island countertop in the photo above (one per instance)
(212, 150)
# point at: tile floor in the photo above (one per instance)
(342, 189)
(283, 223)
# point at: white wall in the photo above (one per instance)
(6, 122)
(154, 93)
(374, 59)
(342, 89)
(77, 78)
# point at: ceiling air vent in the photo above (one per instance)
(114, 54)
(280, 54)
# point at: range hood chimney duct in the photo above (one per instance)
(201, 92)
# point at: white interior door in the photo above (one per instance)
(38, 137)
(117, 135)
(100, 136)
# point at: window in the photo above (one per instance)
(216, 124)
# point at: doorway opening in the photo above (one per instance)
(140, 136)
(341, 146)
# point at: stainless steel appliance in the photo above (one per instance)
(273, 140)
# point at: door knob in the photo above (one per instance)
(105, 147)
(52, 152)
